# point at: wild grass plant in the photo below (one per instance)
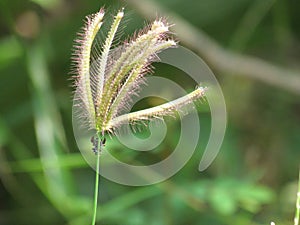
(107, 75)
(252, 48)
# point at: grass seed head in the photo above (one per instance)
(106, 83)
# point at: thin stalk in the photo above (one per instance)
(297, 213)
(97, 178)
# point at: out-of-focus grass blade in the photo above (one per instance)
(49, 131)
(25, 163)
(249, 22)
(69, 161)
(19, 151)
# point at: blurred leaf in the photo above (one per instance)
(10, 50)
(222, 197)
(252, 197)
(222, 201)
(47, 4)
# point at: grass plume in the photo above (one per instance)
(105, 83)
(107, 77)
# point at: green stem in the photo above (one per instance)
(297, 214)
(97, 178)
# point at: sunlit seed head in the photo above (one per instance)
(106, 87)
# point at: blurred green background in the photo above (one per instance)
(45, 180)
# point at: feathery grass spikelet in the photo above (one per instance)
(103, 60)
(159, 111)
(82, 63)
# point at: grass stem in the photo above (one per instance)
(97, 179)
(297, 213)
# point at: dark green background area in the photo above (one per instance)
(44, 178)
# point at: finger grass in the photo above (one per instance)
(107, 76)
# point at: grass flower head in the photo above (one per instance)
(107, 78)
